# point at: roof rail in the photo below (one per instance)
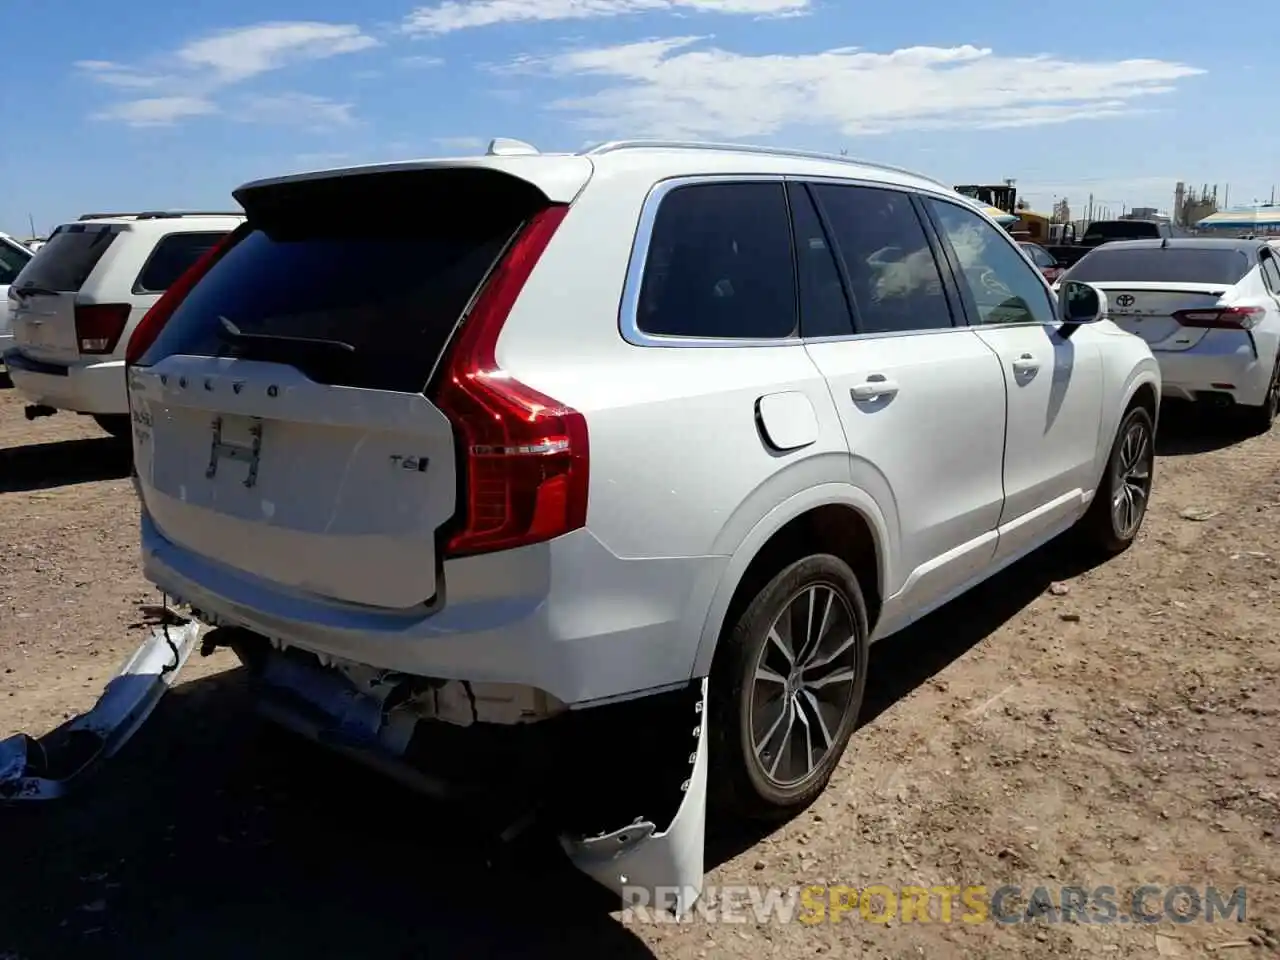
(615, 145)
(163, 214)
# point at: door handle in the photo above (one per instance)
(1026, 364)
(876, 386)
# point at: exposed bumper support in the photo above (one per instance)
(51, 766)
(608, 764)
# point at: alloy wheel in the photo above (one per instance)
(1131, 489)
(803, 685)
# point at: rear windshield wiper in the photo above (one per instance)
(232, 332)
(34, 290)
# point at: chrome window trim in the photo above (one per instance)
(628, 310)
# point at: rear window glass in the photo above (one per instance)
(171, 258)
(64, 263)
(1160, 265)
(12, 260)
(360, 285)
(1121, 230)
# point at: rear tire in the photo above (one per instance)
(1119, 506)
(768, 693)
(1258, 420)
(116, 424)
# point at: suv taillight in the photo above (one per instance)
(523, 456)
(99, 325)
(145, 333)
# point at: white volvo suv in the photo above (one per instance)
(589, 479)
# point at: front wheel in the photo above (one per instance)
(787, 687)
(1120, 504)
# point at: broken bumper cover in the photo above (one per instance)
(49, 767)
(628, 792)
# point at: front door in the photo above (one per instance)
(1054, 384)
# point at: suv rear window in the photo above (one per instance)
(1119, 264)
(65, 262)
(171, 258)
(354, 281)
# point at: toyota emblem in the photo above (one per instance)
(1125, 300)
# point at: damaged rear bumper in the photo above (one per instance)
(623, 785)
(51, 766)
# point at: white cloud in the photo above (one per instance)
(454, 15)
(294, 110)
(243, 52)
(196, 71)
(420, 63)
(157, 111)
(679, 87)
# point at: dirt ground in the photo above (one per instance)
(1113, 726)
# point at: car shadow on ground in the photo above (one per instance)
(214, 836)
(6, 382)
(1187, 429)
(39, 466)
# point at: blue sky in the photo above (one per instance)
(142, 104)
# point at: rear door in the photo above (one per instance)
(281, 425)
(44, 294)
(920, 397)
(1146, 284)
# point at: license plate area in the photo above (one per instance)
(235, 441)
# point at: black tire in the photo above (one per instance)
(1100, 527)
(116, 424)
(741, 781)
(1258, 420)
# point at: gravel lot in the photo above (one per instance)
(1113, 726)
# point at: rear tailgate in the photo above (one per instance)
(1146, 309)
(44, 294)
(281, 425)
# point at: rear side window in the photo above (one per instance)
(719, 264)
(65, 262)
(824, 309)
(1110, 264)
(356, 282)
(1271, 273)
(171, 258)
(893, 276)
(12, 260)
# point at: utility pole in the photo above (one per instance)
(32, 221)
(1090, 215)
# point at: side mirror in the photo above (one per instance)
(1079, 303)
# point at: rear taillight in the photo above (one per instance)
(523, 456)
(1221, 318)
(145, 333)
(99, 325)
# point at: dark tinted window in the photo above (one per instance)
(824, 309)
(1161, 265)
(65, 262)
(1002, 285)
(12, 260)
(171, 257)
(1122, 230)
(720, 265)
(382, 282)
(893, 277)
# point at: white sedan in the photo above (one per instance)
(1208, 308)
